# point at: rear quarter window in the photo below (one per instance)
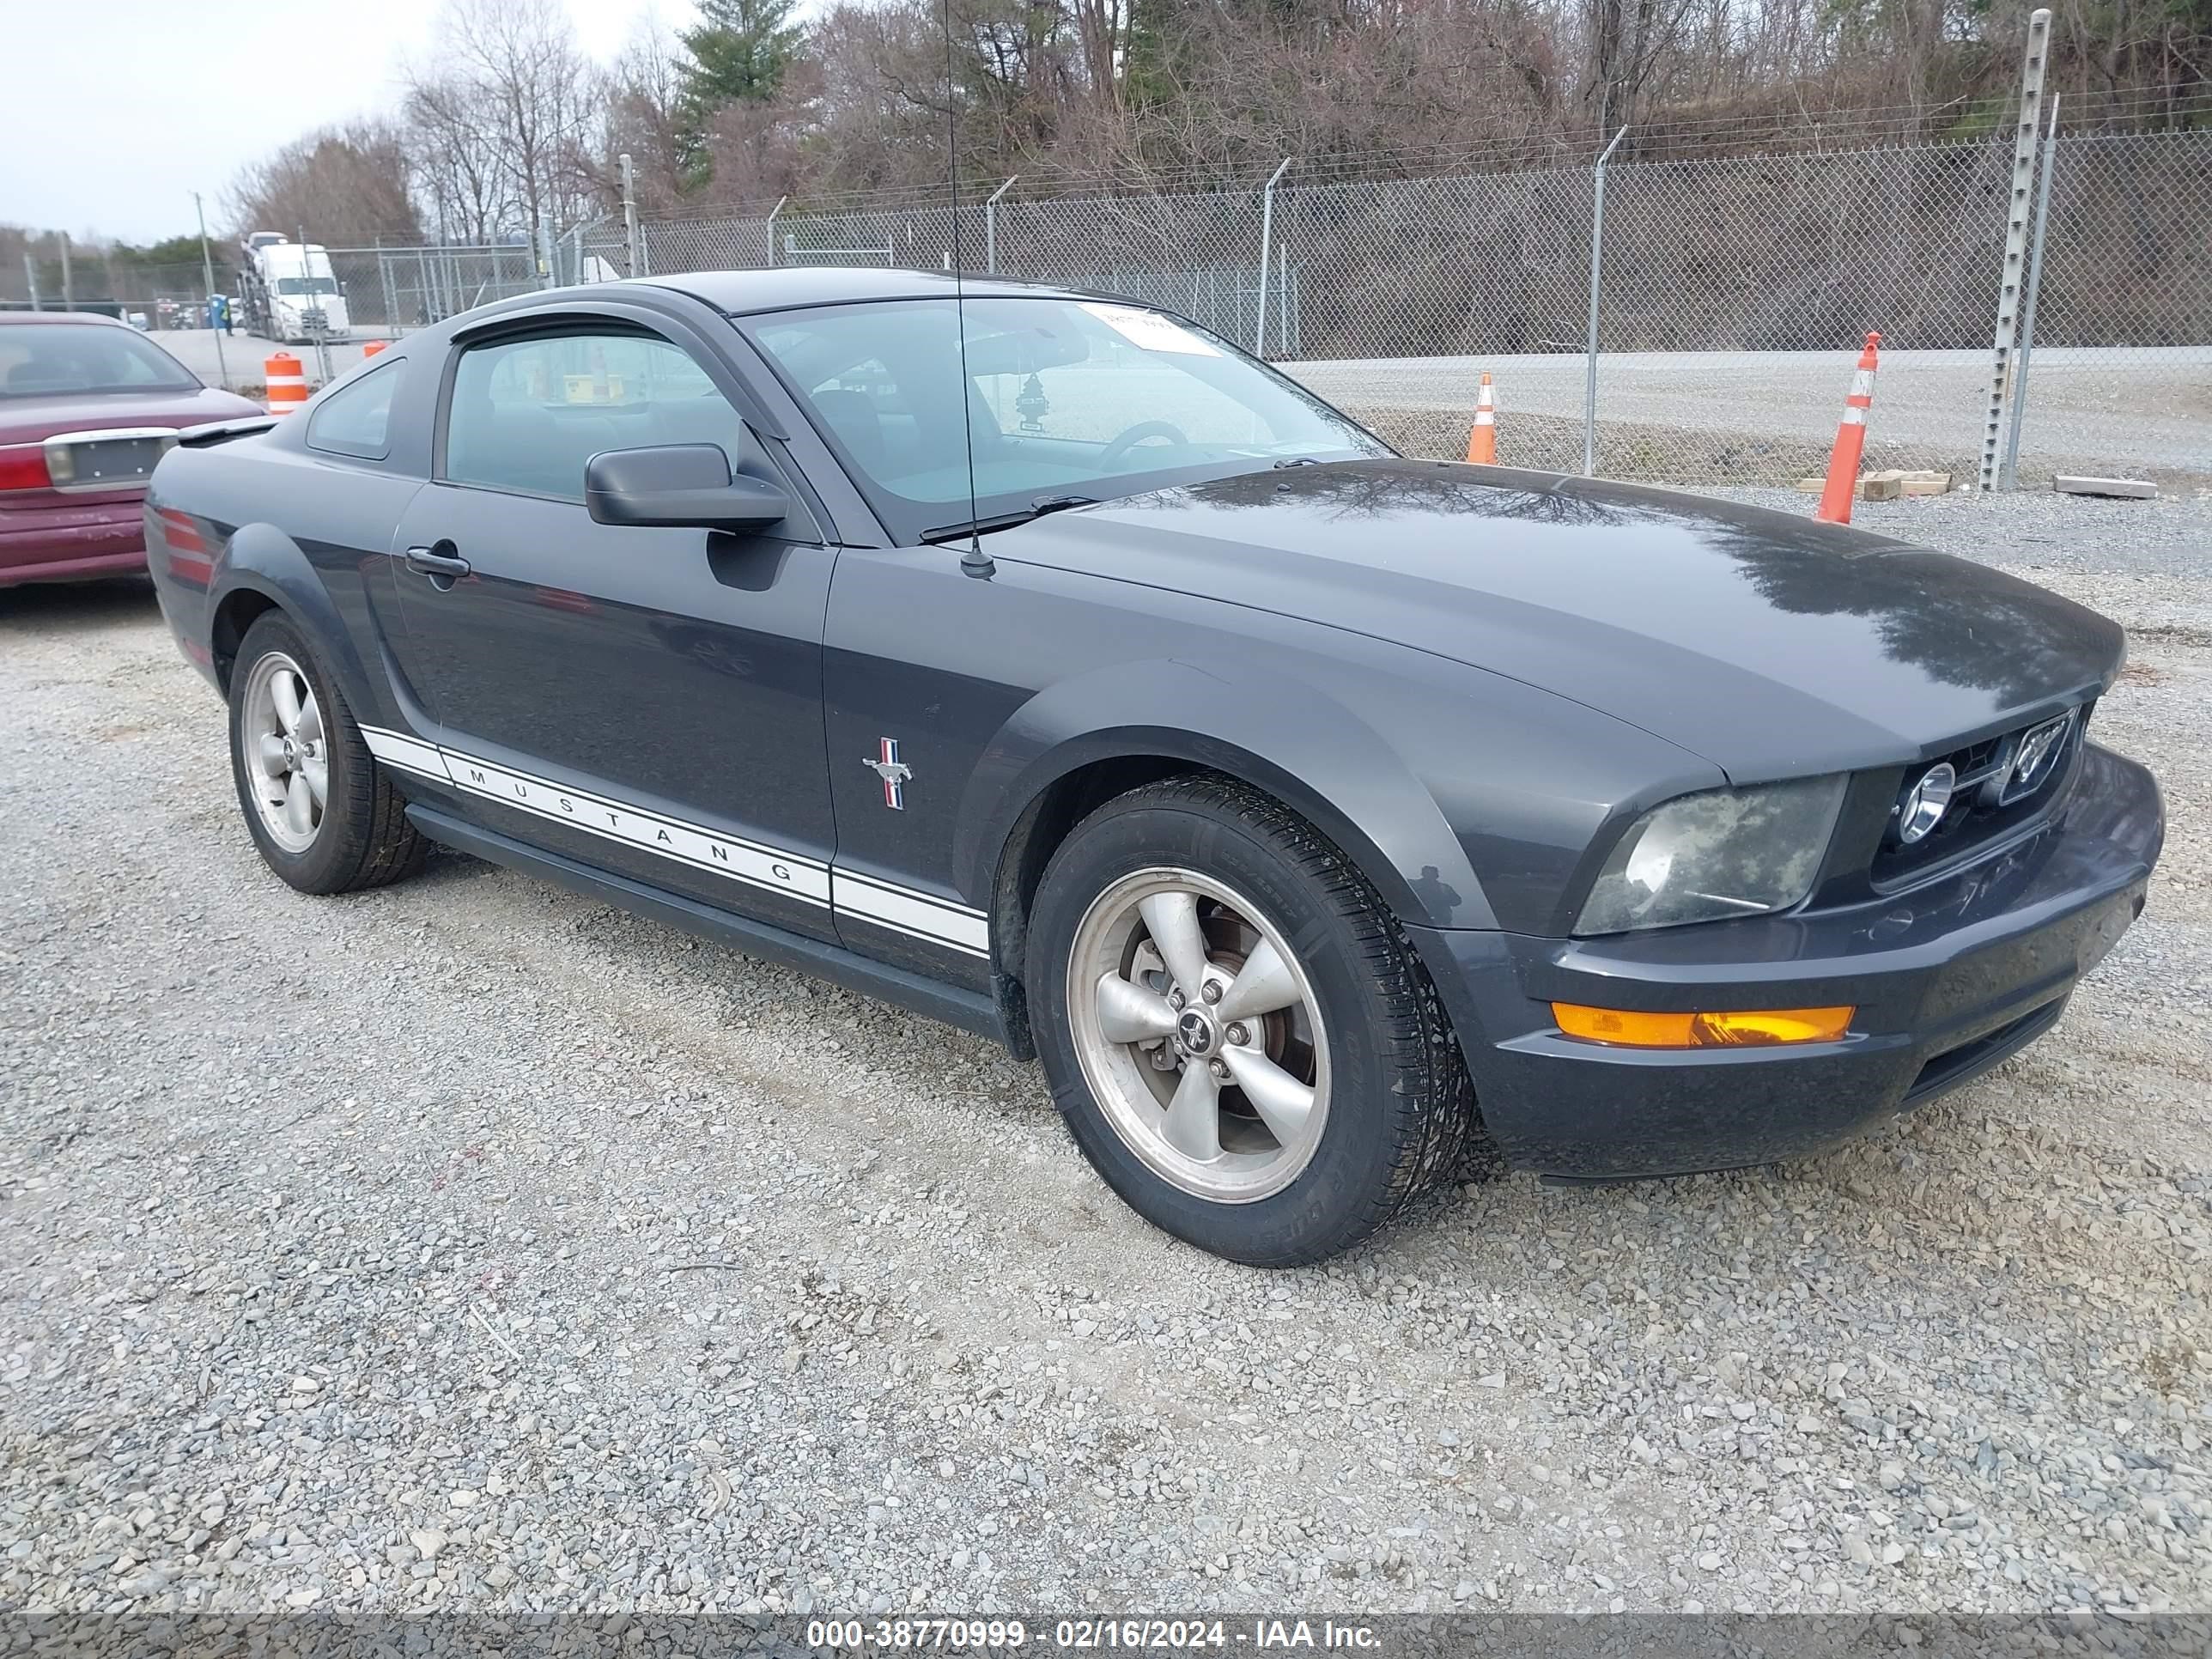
(356, 418)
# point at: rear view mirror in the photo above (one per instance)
(685, 486)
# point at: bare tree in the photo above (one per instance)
(455, 162)
(518, 89)
(346, 186)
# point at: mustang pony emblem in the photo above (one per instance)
(2037, 751)
(893, 771)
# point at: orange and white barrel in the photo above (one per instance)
(1482, 436)
(287, 383)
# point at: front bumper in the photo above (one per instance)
(1947, 980)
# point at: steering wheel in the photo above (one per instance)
(1123, 442)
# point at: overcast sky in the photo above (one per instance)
(113, 112)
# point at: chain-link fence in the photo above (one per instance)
(1730, 297)
(1731, 301)
(159, 296)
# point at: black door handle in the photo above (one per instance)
(428, 561)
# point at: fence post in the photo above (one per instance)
(1267, 236)
(629, 217)
(69, 288)
(207, 270)
(31, 274)
(991, 227)
(772, 212)
(2010, 478)
(1597, 269)
(2016, 217)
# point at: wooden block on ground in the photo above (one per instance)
(1882, 486)
(2134, 489)
(1926, 483)
(1810, 486)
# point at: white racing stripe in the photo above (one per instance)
(864, 898)
(909, 912)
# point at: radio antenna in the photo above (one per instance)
(974, 561)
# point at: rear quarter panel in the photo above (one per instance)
(246, 524)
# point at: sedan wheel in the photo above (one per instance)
(1199, 1034)
(1238, 1031)
(286, 751)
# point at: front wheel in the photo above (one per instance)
(1241, 1042)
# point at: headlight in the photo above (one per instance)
(1718, 852)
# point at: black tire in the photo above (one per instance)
(1400, 1109)
(364, 838)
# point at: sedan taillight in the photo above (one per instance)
(23, 466)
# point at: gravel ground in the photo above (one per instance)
(471, 1245)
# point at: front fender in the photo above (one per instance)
(1277, 733)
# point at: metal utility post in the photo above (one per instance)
(2009, 478)
(318, 325)
(1266, 241)
(69, 288)
(207, 270)
(2017, 223)
(578, 238)
(991, 227)
(31, 275)
(772, 212)
(630, 218)
(1596, 286)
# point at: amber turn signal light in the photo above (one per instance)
(1760, 1027)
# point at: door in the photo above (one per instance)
(647, 701)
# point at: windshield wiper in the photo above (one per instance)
(1035, 509)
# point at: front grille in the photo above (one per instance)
(1992, 798)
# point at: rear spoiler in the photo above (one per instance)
(221, 432)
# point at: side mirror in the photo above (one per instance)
(685, 486)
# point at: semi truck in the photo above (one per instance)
(289, 292)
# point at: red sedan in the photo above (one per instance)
(88, 404)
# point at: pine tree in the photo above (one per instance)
(739, 51)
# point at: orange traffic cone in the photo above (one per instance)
(1850, 441)
(1482, 436)
(287, 383)
(369, 348)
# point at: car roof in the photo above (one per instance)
(738, 291)
(7, 317)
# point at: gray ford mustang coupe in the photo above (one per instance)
(1039, 661)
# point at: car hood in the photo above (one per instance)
(26, 420)
(1769, 644)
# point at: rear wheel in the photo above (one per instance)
(322, 812)
(1240, 1040)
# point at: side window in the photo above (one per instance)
(356, 420)
(527, 414)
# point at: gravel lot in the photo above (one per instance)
(471, 1245)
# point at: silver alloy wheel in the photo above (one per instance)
(1199, 1034)
(287, 752)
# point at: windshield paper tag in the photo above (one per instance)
(1152, 331)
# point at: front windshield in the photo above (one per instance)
(41, 360)
(306, 285)
(1083, 397)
